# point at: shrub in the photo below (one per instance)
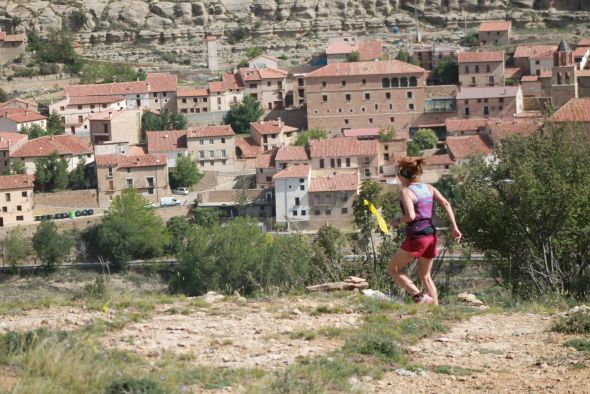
(413, 149)
(130, 385)
(581, 345)
(51, 246)
(575, 323)
(425, 139)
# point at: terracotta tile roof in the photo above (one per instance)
(438, 160)
(216, 86)
(292, 153)
(501, 129)
(269, 127)
(248, 147)
(584, 42)
(343, 147)
(254, 74)
(461, 147)
(247, 74)
(12, 139)
(136, 150)
(480, 57)
(162, 82)
(21, 115)
(370, 132)
(271, 73)
(581, 51)
(211, 38)
(266, 160)
(166, 141)
(459, 125)
(132, 161)
(211, 131)
(81, 100)
(294, 171)
(575, 110)
(11, 37)
(231, 82)
(191, 92)
(512, 72)
(340, 48)
(495, 26)
(108, 89)
(370, 50)
(487, 92)
(338, 182)
(11, 182)
(583, 73)
(530, 78)
(9, 103)
(365, 68)
(535, 51)
(545, 74)
(62, 144)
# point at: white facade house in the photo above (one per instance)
(15, 119)
(74, 111)
(263, 61)
(291, 193)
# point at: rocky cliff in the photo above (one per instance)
(291, 26)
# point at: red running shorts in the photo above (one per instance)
(424, 246)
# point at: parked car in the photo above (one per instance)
(181, 190)
(169, 202)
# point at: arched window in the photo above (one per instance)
(385, 82)
(559, 78)
(394, 83)
(413, 81)
(404, 82)
(567, 78)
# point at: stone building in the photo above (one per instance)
(481, 68)
(16, 199)
(74, 111)
(266, 85)
(172, 143)
(360, 95)
(11, 46)
(496, 102)
(494, 33)
(162, 88)
(534, 59)
(270, 134)
(564, 86)
(192, 100)
(115, 126)
(213, 147)
(9, 142)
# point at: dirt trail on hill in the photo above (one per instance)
(500, 353)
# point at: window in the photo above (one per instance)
(301, 187)
(19, 207)
(317, 212)
(223, 140)
(411, 106)
(4, 209)
(296, 200)
(476, 68)
(210, 141)
(301, 180)
(268, 178)
(386, 156)
(321, 163)
(7, 197)
(328, 211)
(211, 154)
(488, 68)
(409, 95)
(345, 121)
(363, 109)
(344, 211)
(348, 162)
(223, 153)
(324, 98)
(413, 81)
(491, 81)
(486, 110)
(201, 142)
(367, 96)
(347, 97)
(129, 183)
(79, 107)
(332, 163)
(295, 213)
(404, 82)
(339, 162)
(20, 218)
(370, 120)
(485, 100)
(253, 86)
(343, 83)
(150, 181)
(110, 175)
(303, 212)
(367, 172)
(394, 83)
(205, 99)
(466, 69)
(201, 154)
(367, 160)
(385, 83)
(80, 119)
(388, 96)
(376, 107)
(62, 108)
(501, 99)
(364, 81)
(155, 94)
(473, 80)
(324, 84)
(268, 83)
(466, 111)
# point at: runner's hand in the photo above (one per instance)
(456, 234)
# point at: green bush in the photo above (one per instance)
(581, 345)
(130, 385)
(425, 139)
(22, 341)
(575, 323)
(413, 149)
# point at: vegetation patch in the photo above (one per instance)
(134, 386)
(451, 370)
(581, 345)
(575, 323)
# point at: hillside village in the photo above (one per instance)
(369, 109)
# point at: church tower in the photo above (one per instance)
(564, 83)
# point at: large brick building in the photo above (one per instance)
(358, 95)
(481, 68)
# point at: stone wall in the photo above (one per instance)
(68, 199)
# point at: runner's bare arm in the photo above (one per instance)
(408, 206)
(439, 198)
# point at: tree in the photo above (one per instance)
(425, 139)
(77, 178)
(55, 125)
(185, 174)
(14, 246)
(329, 248)
(51, 247)
(130, 229)
(363, 220)
(387, 134)
(450, 187)
(447, 71)
(141, 75)
(78, 18)
(178, 121)
(240, 116)
(205, 217)
(414, 149)
(403, 55)
(58, 47)
(353, 57)
(254, 51)
(529, 211)
(306, 135)
(3, 96)
(33, 131)
(179, 229)
(51, 173)
(17, 167)
(163, 121)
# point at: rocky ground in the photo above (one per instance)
(492, 351)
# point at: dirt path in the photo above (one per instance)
(502, 353)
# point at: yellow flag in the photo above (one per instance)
(380, 220)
